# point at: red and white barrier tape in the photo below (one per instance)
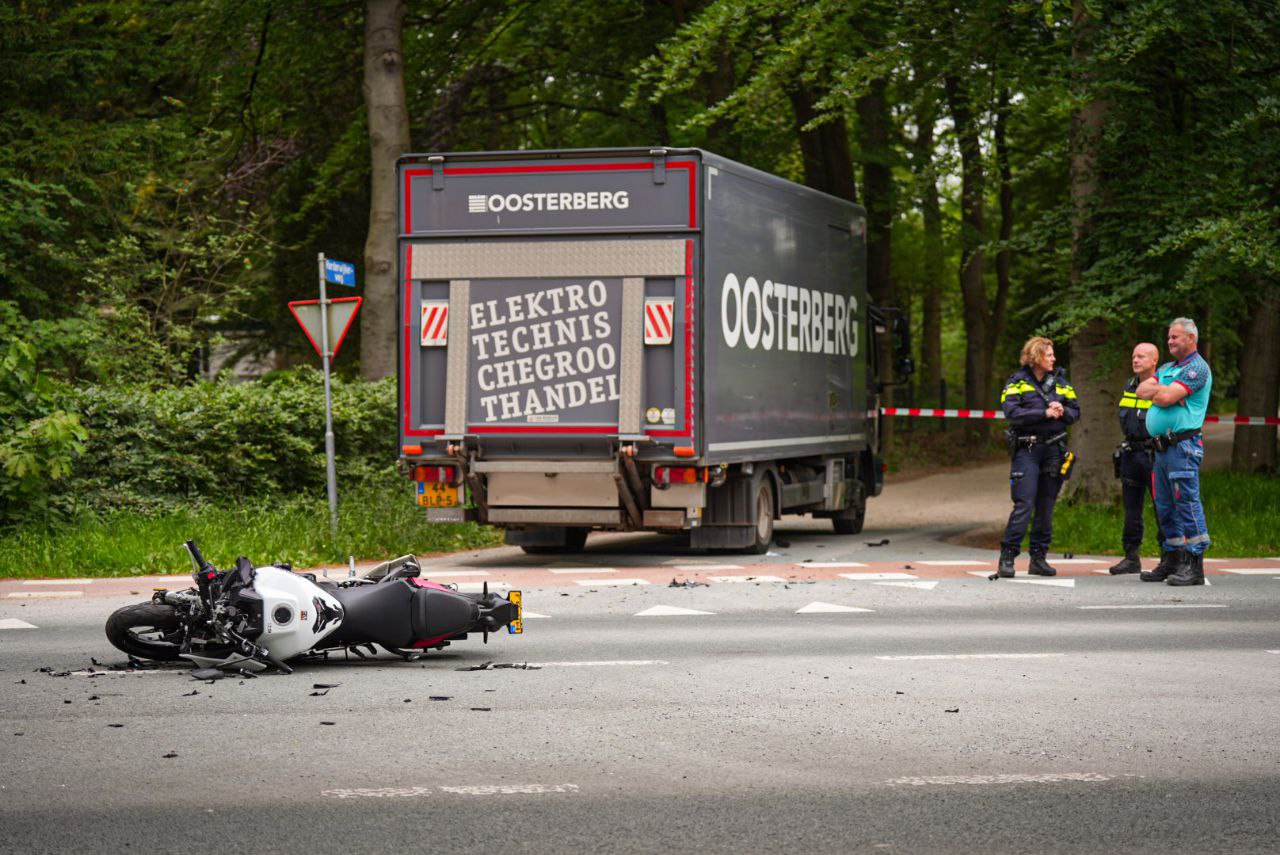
(997, 414)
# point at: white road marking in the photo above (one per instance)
(732, 579)
(1057, 583)
(608, 663)
(578, 571)
(14, 623)
(924, 586)
(945, 780)
(610, 583)
(1274, 651)
(974, 656)
(378, 792)
(670, 611)
(1220, 560)
(832, 564)
(102, 672)
(533, 616)
(57, 581)
(476, 587)
(449, 574)
(510, 789)
(1077, 561)
(871, 577)
(1248, 571)
(45, 595)
(698, 568)
(828, 608)
(1163, 606)
(955, 563)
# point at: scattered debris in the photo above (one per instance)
(66, 701)
(407, 700)
(325, 685)
(896, 692)
(170, 755)
(21, 683)
(519, 666)
(687, 583)
(115, 725)
(483, 666)
(19, 733)
(906, 567)
(441, 698)
(482, 709)
(191, 693)
(319, 694)
(207, 674)
(884, 542)
(957, 709)
(328, 722)
(96, 662)
(94, 698)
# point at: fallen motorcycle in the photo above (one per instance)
(254, 617)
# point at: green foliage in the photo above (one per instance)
(1239, 509)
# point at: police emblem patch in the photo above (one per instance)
(1191, 374)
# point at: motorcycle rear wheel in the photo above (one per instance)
(152, 631)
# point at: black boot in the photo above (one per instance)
(1005, 570)
(1131, 563)
(1190, 572)
(1162, 570)
(1040, 567)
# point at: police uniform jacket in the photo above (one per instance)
(1133, 413)
(1025, 399)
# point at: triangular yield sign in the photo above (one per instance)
(342, 313)
(669, 611)
(824, 608)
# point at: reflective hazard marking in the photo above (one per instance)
(435, 323)
(659, 324)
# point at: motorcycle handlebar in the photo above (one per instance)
(196, 558)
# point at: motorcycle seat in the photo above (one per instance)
(377, 613)
(440, 614)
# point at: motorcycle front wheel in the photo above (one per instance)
(153, 631)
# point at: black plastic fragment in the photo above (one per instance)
(441, 698)
(325, 685)
(191, 693)
(483, 666)
(207, 674)
(957, 709)
(319, 694)
(170, 755)
(884, 542)
(482, 709)
(328, 722)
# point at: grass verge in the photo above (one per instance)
(375, 522)
(1242, 512)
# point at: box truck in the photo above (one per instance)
(633, 340)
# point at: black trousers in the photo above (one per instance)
(1035, 479)
(1135, 488)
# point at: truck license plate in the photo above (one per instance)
(432, 495)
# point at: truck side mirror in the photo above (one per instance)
(906, 366)
(902, 342)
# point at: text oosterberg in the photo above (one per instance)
(774, 316)
(542, 351)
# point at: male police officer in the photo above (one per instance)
(1135, 457)
(1179, 396)
(1038, 403)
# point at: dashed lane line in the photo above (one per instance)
(601, 663)
(700, 568)
(1158, 606)
(1078, 561)
(57, 581)
(833, 564)
(533, 616)
(955, 563)
(951, 780)
(580, 571)
(1248, 571)
(14, 623)
(468, 790)
(45, 595)
(1053, 583)
(938, 656)
(923, 586)
(875, 577)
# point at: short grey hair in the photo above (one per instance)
(1188, 325)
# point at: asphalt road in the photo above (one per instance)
(949, 715)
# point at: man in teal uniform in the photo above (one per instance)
(1179, 396)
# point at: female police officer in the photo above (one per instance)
(1038, 404)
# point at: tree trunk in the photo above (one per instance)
(1255, 446)
(824, 150)
(388, 139)
(1097, 387)
(973, 290)
(877, 188)
(931, 212)
(1000, 309)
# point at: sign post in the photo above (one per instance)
(326, 317)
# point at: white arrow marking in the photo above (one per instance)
(828, 608)
(533, 616)
(669, 611)
(14, 623)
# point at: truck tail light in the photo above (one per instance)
(679, 475)
(435, 474)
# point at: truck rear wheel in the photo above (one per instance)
(849, 521)
(764, 519)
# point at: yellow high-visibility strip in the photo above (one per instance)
(1066, 392)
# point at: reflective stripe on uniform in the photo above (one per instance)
(1066, 392)
(1128, 399)
(1017, 389)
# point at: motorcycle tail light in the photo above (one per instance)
(435, 474)
(678, 475)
